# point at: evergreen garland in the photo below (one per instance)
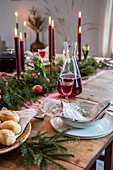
(18, 93)
(41, 149)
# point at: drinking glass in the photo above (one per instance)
(42, 53)
(66, 85)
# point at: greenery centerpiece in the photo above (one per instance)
(36, 23)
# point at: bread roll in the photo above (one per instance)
(11, 125)
(8, 115)
(7, 137)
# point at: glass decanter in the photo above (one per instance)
(70, 70)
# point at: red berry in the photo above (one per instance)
(0, 91)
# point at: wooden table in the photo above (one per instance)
(86, 151)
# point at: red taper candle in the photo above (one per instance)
(17, 54)
(79, 43)
(79, 19)
(50, 39)
(22, 52)
(53, 41)
(79, 36)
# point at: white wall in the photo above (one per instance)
(59, 9)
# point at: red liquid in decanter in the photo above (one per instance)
(77, 87)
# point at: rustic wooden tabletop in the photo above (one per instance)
(86, 151)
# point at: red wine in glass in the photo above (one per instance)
(66, 87)
(42, 53)
(77, 86)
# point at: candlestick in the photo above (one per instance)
(17, 25)
(79, 43)
(17, 54)
(22, 52)
(53, 43)
(25, 35)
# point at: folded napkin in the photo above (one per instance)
(60, 108)
(25, 116)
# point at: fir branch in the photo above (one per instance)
(39, 149)
(56, 163)
(65, 140)
(56, 136)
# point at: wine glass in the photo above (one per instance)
(42, 53)
(66, 85)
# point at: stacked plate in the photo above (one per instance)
(101, 129)
(84, 129)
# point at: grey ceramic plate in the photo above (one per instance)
(101, 129)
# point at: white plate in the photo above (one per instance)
(102, 129)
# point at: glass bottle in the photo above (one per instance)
(70, 70)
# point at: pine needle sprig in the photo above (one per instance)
(58, 135)
(56, 163)
(40, 149)
(65, 140)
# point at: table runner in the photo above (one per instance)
(54, 94)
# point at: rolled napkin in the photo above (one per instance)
(60, 108)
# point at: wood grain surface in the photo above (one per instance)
(86, 151)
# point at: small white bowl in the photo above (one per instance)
(81, 124)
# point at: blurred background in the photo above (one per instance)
(96, 23)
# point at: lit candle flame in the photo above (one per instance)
(50, 20)
(15, 31)
(24, 23)
(16, 14)
(52, 23)
(20, 36)
(80, 29)
(79, 14)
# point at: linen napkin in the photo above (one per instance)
(60, 108)
(25, 116)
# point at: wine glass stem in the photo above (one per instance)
(66, 98)
(42, 60)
